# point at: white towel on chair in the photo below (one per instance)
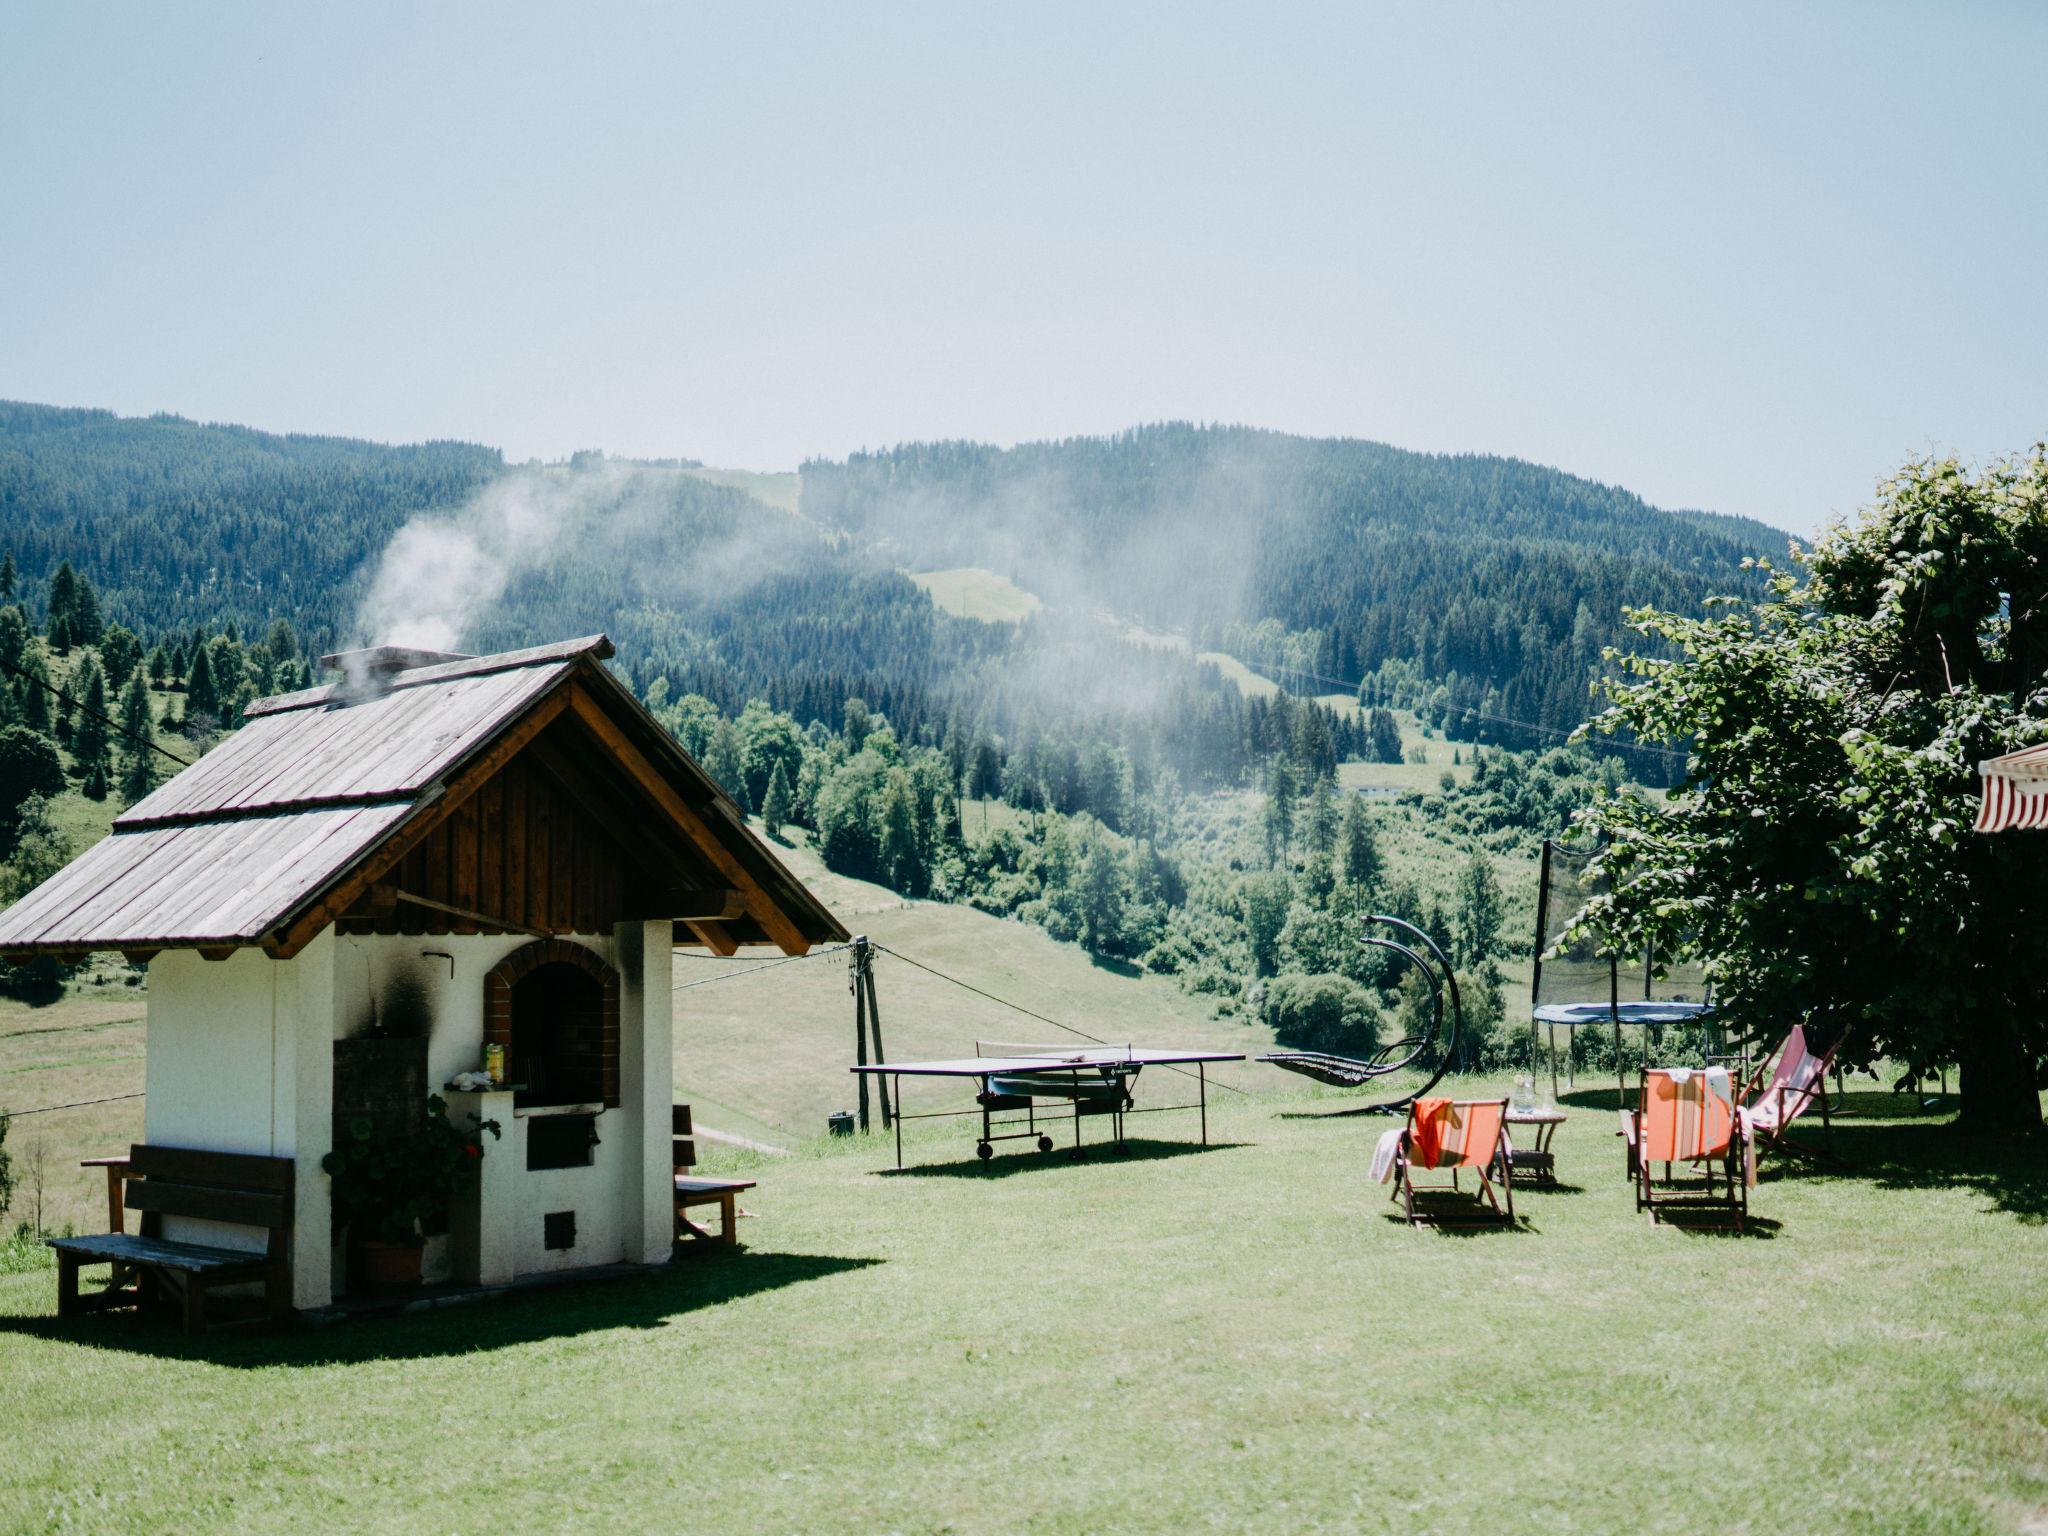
(1383, 1154)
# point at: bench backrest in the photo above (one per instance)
(682, 1138)
(211, 1186)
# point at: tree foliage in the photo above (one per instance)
(1820, 850)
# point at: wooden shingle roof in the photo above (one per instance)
(275, 833)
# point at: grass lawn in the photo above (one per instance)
(1237, 1339)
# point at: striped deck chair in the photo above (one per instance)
(1687, 1116)
(1456, 1134)
(1782, 1089)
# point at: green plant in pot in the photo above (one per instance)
(393, 1194)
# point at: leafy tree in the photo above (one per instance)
(723, 762)
(903, 864)
(120, 652)
(768, 740)
(1102, 891)
(1323, 1013)
(29, 767)
(1262, 904)
(138, 730)
(775, 805)
(857, 724)
(1819, 849)
(39, 848)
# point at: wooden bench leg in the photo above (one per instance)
(67, 1284)
(729, 1226)
(195, 1305)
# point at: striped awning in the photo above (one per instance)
(2015, 790)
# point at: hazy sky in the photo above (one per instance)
(1737, 258)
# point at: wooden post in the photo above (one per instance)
(856, 984)
(875, 1023)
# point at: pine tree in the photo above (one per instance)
(63, 593)
(10, 578)
(202, 697)
(1279, 818)
(89, 735)
(14, 637)
(1478, 918)
(775, 804)
(31, 692)
(86, 623)
(1322, 817)
(120, 654)
(1359, 848)
(138, 757)
(160, 666)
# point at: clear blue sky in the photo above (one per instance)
(1743, 258)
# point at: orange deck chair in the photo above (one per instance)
(1687, 1116)
(1455, 1134)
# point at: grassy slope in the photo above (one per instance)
(1238, 1340)
(972, 592)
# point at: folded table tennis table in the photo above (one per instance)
(1091, 1081)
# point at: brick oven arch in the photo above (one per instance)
(527, 959)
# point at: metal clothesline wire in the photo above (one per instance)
(766, 965)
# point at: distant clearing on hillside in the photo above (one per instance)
(778, 489)
(973, 592)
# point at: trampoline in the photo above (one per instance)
(1574, 985)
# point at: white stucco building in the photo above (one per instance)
(344, 903)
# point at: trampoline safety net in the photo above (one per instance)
(1571, 971)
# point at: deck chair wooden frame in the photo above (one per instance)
(1480, 1143)
(1775, 1099)
(1658, 1132)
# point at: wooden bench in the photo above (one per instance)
(182, 1181)
(690, 1191)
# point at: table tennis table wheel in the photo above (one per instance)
(984, 1151)
(1045, 1143)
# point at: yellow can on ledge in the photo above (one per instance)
(494, 1064)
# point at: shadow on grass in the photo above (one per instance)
(1002, 1166)
(1937, 1154)
(1455, 1224)
(650, 1300)
(1385, 1111)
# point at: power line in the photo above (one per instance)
(113, 725)
(1020, 1008)
(48, 1109)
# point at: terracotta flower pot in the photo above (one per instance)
(391, 1266)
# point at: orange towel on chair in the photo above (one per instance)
(1435, 1132)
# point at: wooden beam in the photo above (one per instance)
(432, 809)
(140, 957)
(760, 905)
(215, 951)
(482, 919)
(718, 905)
(714, 938)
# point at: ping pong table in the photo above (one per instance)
(1090, 1081)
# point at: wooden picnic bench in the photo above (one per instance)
(229, 1187)
(690, 1191)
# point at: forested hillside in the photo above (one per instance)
(1496, 579)
(179, 524)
